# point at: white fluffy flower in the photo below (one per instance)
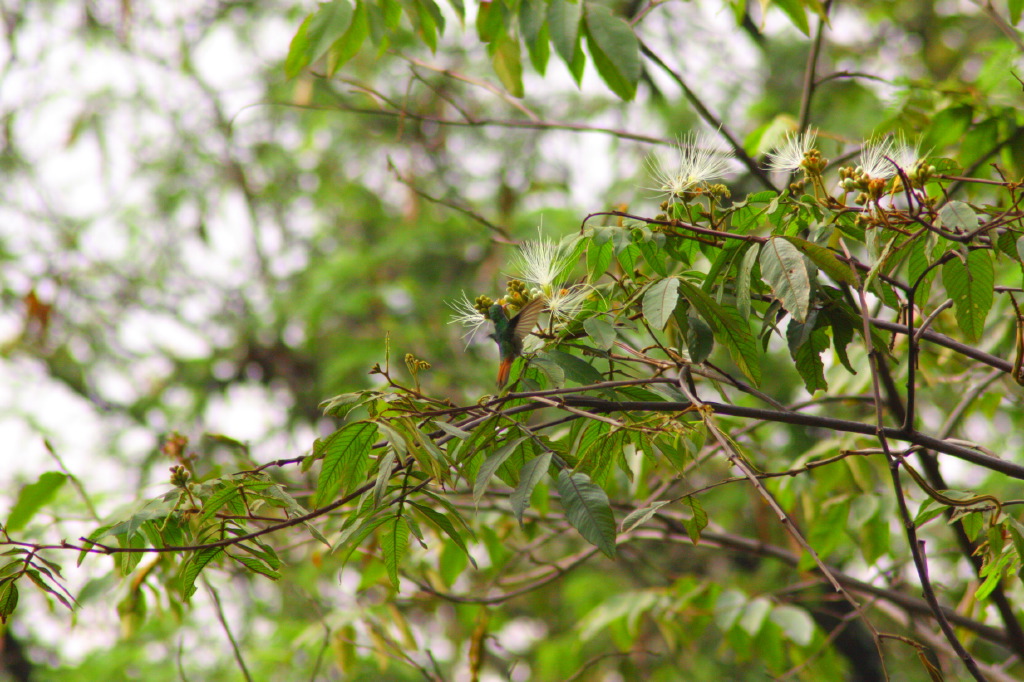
(700, 161)
(789, 154)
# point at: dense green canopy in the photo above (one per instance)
(766, 426)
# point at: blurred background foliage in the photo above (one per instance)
(192, 241)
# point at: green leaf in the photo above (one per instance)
(805, 347)
(956, 216)
(729, 328)
(826, 260)
(660, 300)
(452, 430)
(797, 13)
(394, 541)
(599, 257)
(743, 277)
(564, 22)
(193, 566)
(490, 20)
(534, 31)
(728, 608)
(507, 63)
(490, 467)
(554, 373)
(754, 615)
(345, 459)
(600, 332)
(639, 517)
(384, 469)
(317, 34)
(587, 509)
(347, 46)
(917, 263)
(796, 623)
(615, 50)
(444, 524)
(257, 566)
(784, 270)
(32, 498)
(8, 598)
(971, 286)
(698, 520)
(575, 369)
(459, 7)
(699, 337)
(947, 127)
(654, 255)
(529, 476)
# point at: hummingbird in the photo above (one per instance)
(509, 334)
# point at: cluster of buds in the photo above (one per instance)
(415, 364)
(482, 304)
(814, 163)
(868, 188)
(518, 294)
(180, 476)
(921, 173)
(718, 191)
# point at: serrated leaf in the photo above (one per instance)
(826, 260)
(491, 465)
(660, 300)
(257, 566)
(615, 50)
(971, 286)
(32, 498)
(444, 524)
(588, 510)
(212, 505)
(784, 270)
(394, 541)
(194, 566)
(345, 460)
(529, 476)
(384, 469)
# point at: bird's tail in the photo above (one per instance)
(503, 371)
